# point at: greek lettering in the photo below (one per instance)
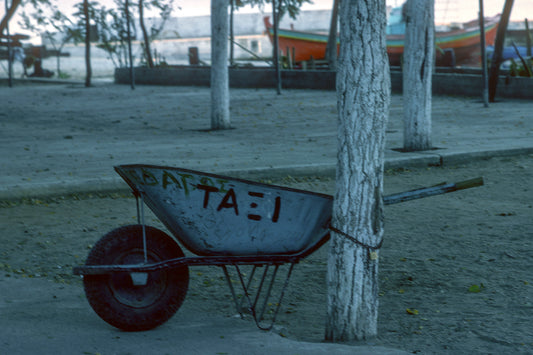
(208, 189)
(255, 217)
(230, 195)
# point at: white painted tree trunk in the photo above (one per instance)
(363, 98)
(418, 59)
(220, 117)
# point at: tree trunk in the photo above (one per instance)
(275, 55)
(528, 39)
(10, 11)
(9, 49)
(331, 49)
(363, 98)
(58, 65)
(88, 68)
(147, 49)
(484, 72)
(130, 54)
(496, 60)
(419, 52)
(220, 118)
(231, 34)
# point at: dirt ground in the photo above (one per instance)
(455, 269)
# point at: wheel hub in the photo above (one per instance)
(137, 290)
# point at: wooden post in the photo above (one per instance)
(289, 58)
(498, 49)
(194, 58)
(483, 55)
(331, 49)
(293, 56)
(231, 34)
(528, 39)
(88, 68)
(9, 51)
(276, 47)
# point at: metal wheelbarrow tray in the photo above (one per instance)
(136, 277)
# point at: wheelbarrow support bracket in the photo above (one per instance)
(258, 312)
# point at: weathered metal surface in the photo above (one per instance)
(217, 215)
(432, 191)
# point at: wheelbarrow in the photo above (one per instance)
(136, 277)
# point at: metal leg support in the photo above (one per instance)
(246, 286)
(140, 220)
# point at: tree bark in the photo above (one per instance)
(496, 60)
(10, 11)
(58, 65)
(331, 49)
(146, 37)
(528, 39)
(231, 34)
(363, 99)
(220, 118)
(88, 69)
(130, 55)
(419, 53)
(9, 49)
(275, 55)
(484, 72)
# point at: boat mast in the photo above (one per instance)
(446, 12)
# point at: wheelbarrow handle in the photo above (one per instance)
(469, 183)
(432, 191)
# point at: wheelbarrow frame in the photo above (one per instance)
(270, 262)
(136, 271)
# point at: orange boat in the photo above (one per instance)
(463, 44)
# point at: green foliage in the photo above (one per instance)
(165, 10)
(113, 32)
(476, 288)
(292, 7)
(523, 68)
(36, 3)
(164, 7)
(44, 18)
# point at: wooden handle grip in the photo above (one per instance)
(469, 183)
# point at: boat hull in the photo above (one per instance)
(465, 45)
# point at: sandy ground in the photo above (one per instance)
(455, 269)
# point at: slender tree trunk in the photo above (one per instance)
(363, 98)
(89, 71)
(231, 34)
(146, 37)
(220, 118)
(58, 65)
(275, 55)
(528, 39)
(331, 49)
(419, 56)
(496, 60)
(484, 72)
(9, 49)
(10, 11)
(130, 53)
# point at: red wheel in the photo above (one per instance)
(140, 301)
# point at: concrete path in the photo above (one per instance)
(58, 139)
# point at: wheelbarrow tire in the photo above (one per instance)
(136, 307)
